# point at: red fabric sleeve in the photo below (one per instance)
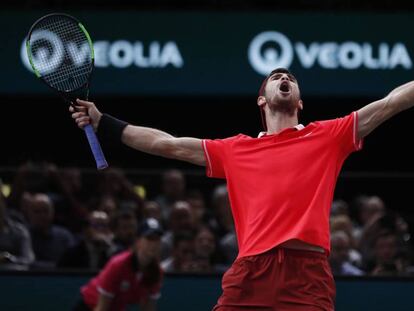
(216, 152)
(345, 132)
(108, 279)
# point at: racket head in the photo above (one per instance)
(60, 52)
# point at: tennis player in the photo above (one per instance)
(132, 277)
(280, 185)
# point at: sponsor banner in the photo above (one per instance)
(220, 54)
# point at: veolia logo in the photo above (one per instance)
(51, 50)
(118, 54)
(122, 54)
(272, 49)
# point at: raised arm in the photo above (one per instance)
(145, 139)
(163, 144)
(374, 114)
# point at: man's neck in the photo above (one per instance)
(277, 122)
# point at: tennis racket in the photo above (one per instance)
(61, 54)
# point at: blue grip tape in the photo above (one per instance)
(95, 147)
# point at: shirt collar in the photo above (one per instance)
(297, 127)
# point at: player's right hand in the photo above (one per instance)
(85, 113)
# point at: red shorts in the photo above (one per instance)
(279, 280)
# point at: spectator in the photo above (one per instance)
(198, 208)
(66, 196)
(339, 257)
(182, 257)
(387, 255)
(113, 183)
(343, 223)
(107, 204)
(94, 249)
(15, 244)
(62, 187)
(206, 258)
(369, 209)
(388, 222)
(124, 227)
(339, 207)
(152, 210)
(181, 219)
(49, 241)
(173, 190)
(132, 277)
(374, 206)
(223, 224)
(229, 247)
(30, 177)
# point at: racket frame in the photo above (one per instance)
(66, 95)
(86, 84)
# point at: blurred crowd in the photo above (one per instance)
(50, 218)
(375, 241)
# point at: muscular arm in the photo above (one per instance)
(145, 139)
(163, 144)
(374, 114)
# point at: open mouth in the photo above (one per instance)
(284, 87)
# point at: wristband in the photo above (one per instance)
(110, 129)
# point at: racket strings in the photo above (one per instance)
(70, 75)
(68, 62)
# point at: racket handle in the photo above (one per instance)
(95, 147)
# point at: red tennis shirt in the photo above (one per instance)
(281, 185)
(120, 281)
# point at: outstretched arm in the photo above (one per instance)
(163, 144)
(146, 139)
(374, 114)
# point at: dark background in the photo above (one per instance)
(40, 128)
(325, 5)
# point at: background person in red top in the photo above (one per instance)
(132, 277)
(280, 187)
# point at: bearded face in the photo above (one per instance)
(282, 93)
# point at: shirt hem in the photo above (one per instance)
(259, 252)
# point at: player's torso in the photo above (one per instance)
(279, 184)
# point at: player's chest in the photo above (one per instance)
(282, 154)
